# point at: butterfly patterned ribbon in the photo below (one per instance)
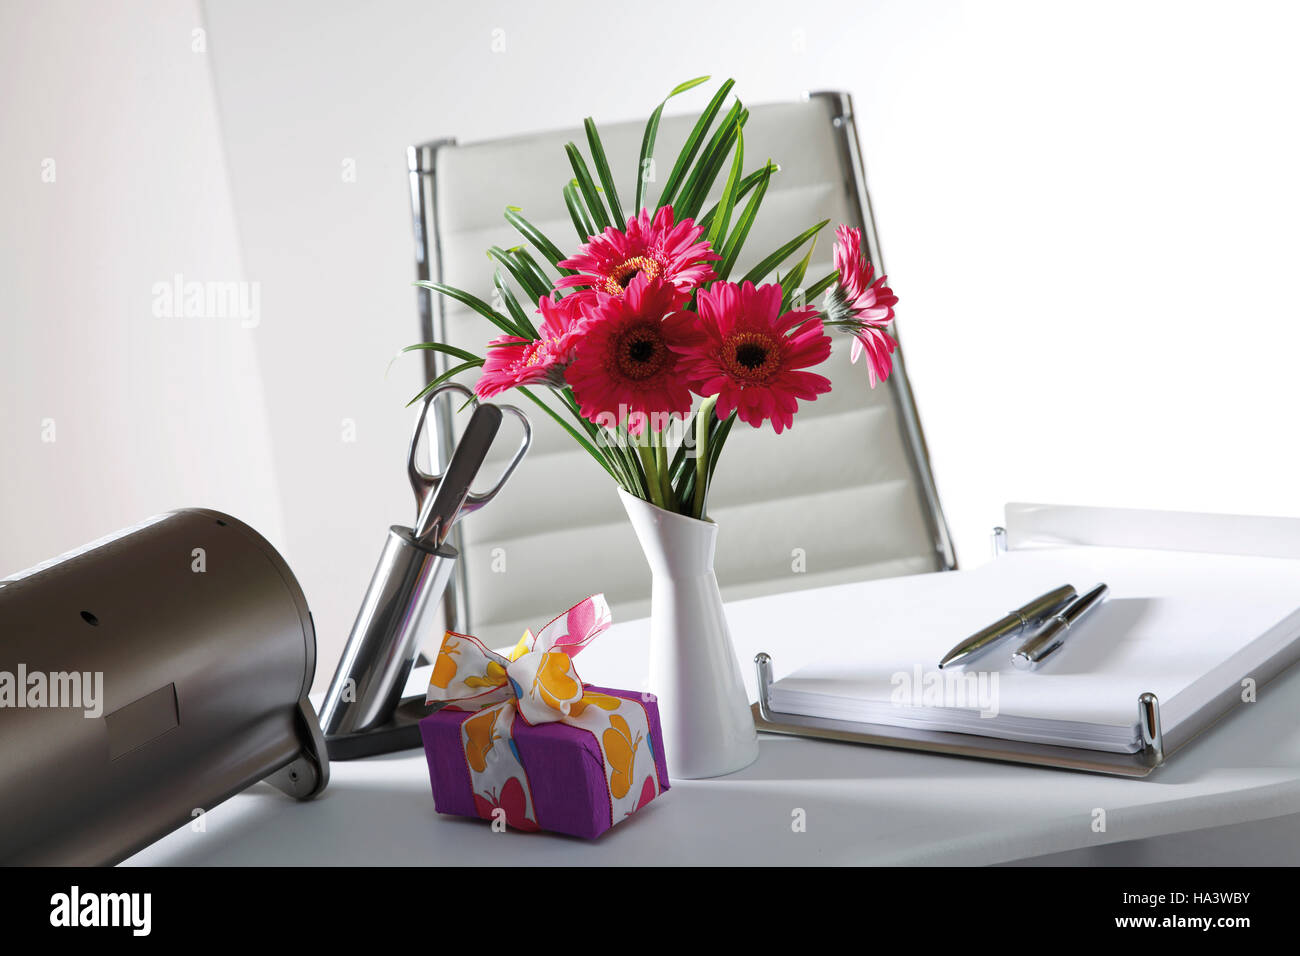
(537, 684)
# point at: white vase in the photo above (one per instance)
(707, 724)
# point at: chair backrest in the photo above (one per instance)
(845, 495)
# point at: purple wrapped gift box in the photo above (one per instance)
(566, 787)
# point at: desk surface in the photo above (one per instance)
(862, 805)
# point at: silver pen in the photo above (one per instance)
(1012, 625)
(1051, 636)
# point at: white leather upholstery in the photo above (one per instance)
(837, 493)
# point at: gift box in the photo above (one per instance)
(519, 739)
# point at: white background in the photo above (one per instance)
(1088, 209)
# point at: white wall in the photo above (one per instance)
(112, 179)
(1087, 209)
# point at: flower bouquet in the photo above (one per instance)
(646, 348)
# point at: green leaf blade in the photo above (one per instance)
(649, 136)
(821, 285)
(746, 185)
(476, 304)
(692, 145)
(582, 223)
(534, 286)
(587, 187)
(774, 259)
(696, 188)
(445, 376)
(512, 304)
(738, 235)
(443, 348)
(792, 280)
(540, 241)
(718, 228)
(606, 176)
(573, 433)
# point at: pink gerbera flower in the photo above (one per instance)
(656, 250)
(513, 361)
(626, 369)
(861, 306)
(752, 356)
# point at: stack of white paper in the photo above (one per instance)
(1184, 626)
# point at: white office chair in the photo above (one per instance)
(845, 495)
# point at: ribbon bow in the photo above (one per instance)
(537, 683)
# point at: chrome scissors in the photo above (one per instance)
(441, 499)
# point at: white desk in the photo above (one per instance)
(863, 805)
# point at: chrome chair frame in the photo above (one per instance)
(422, 166)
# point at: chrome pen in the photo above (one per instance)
(1052, 635)
(1013, 624)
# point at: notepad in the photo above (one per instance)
(1185, 626)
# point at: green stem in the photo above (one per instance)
(633, 464)
(651, 479)
(661, 466)
(702, 420)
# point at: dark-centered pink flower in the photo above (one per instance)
(625, 369)
(752, 356)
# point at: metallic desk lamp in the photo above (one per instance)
(144, 679)
(364, 712)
